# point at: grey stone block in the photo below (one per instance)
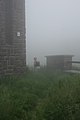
(12, 37)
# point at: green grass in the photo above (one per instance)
(40, 96)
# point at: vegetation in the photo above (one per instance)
(40, 95)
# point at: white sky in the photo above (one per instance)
(53, 27)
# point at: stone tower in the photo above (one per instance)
(12, 37)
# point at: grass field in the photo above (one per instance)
(40, 95)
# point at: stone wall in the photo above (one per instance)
(12, 37)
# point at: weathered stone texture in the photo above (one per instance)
(12, 37)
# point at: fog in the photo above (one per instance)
(53, 27)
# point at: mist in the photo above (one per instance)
(53, 27)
